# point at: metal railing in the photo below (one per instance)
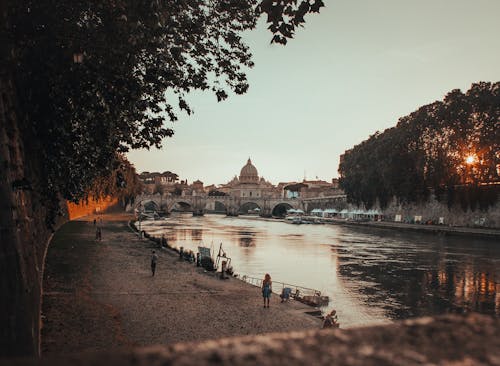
(297, 291)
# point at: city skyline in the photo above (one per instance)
(353, 70)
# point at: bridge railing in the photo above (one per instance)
(336, 197)
(297, 291)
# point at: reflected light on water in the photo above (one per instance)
(371, 275)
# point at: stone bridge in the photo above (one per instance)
(232, 205)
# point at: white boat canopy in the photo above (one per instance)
(330, 210)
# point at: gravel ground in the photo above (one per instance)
(101, 295)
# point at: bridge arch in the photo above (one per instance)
(147, 205)
(280, 209)
(247, 206)
(220, 206)
(180, 205)
(216, 206)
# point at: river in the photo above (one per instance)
(372, 276)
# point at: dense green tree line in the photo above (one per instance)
(98, 78)
(449, 147)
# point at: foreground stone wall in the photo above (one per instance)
(447, 340)
(20, 254)
(24, 234)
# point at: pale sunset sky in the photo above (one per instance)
(353, 70)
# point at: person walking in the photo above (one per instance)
(267, 289)
(154, 260)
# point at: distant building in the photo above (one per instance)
(197, 188)
(165, 178)
(249, 184)
(150, 180)
(319, 188)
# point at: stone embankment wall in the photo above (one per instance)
(24, 234)
(432, 210)
(24, 230)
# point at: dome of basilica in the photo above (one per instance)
(248, 173)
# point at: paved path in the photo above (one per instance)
(99, 295)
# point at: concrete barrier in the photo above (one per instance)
(446, 340)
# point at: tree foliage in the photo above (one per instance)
(122, 183)
(450, 147)
(98, 78)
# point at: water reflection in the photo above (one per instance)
(246, 238)
(409, 279)
(370, 275)
(196, 234)
(246, 241)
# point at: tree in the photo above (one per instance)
(82, 81)
(122, 183)
(450, 147)
(95, 79)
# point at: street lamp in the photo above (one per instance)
(78, 57)
(140, 218)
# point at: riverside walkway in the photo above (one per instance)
(100, 295)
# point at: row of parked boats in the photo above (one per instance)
(319, 216)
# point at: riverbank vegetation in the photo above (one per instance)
(94, 80)
(121, 183)
(83, 82)
(449, 148)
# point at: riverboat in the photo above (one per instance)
(315, 300)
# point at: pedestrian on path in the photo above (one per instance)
(154, 260)
(267, 289)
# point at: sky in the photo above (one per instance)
(355, 69)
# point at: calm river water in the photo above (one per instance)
(371, 275)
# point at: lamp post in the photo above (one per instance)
(140, 218)
(78, 57)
